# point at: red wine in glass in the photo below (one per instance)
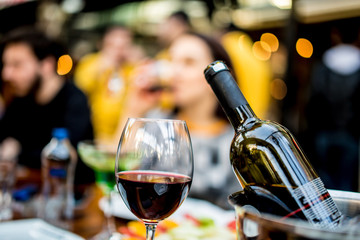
(152, 195)
(154, 168)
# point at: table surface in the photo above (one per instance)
(88, 218)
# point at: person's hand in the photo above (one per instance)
(140, 98)
(145, 90)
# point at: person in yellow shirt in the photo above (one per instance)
(104, 76)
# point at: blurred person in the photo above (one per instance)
(2, 103)
(170, 29)
(42, 100)
(104, 77)
(332, 112)
(5, 96)
(195, 102)
(176, 24)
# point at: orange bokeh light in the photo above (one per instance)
(278, 89)
(271, 40)
(304, 48)
(261, 50)
(64, 65)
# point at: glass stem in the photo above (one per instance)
(109, 217)
(150, 231)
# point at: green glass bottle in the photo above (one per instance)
(268, 162)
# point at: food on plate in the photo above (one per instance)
(188, 228)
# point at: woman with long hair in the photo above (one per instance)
(195, 102)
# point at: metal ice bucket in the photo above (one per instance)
(253, 225)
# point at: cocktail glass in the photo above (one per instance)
(101, 158)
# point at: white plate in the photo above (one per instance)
(194, 207)
(34, 229)
(118, 207)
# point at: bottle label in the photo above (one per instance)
(317, 205)
(58, 172)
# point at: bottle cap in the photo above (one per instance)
(60, 133)
(215, 67)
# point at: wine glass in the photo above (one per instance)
(154, 168)
(101, 158)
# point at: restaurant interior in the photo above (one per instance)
(291, 36)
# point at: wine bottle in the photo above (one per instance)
(268, 161)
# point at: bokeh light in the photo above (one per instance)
(304, 48)
(271, 40)
(278, 89)
(261, 50)
(64, 65)
(243, 42)
(282, 4)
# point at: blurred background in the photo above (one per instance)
(300, 32)
(290, 35)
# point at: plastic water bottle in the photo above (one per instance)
(58, 169)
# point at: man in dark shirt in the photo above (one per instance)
(41, 100)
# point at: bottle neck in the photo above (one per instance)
(55, 142)
(229, 94)
(240, 115)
